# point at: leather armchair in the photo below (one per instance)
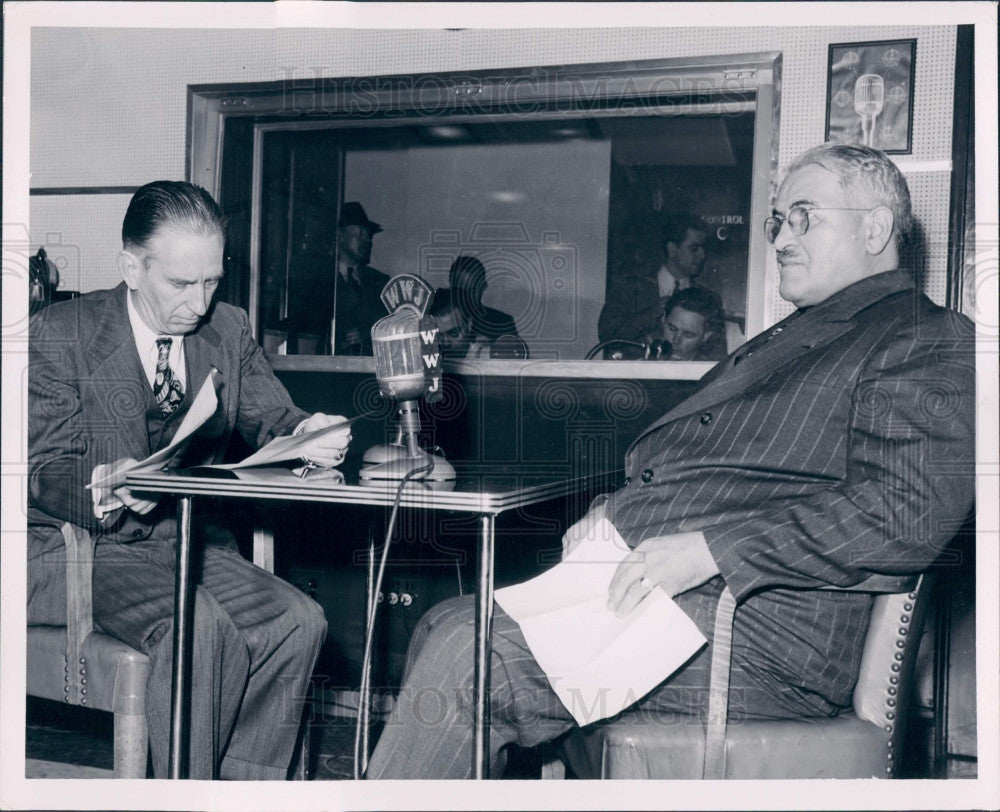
(862, 744)
(81, 666)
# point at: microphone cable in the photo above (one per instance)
(364, 699)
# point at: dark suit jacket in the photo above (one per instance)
(358, 309)
(632, 307)
(841, 447)
(490, 323)
(87, 401)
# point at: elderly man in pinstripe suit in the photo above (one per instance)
(836, 445)
(110, 379)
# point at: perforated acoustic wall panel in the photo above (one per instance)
(81, 235)
(109, 105)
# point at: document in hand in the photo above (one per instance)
(202, 408)
(596, 663)
(283, 449)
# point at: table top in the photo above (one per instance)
(479, 488)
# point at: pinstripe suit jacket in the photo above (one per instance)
(842, 446)
(87, 402)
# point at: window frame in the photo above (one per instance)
(695, 84)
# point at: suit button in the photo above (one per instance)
(627, 481)
(706, 418)
(137, 534)
(647, 476)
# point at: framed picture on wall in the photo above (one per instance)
(869, 94)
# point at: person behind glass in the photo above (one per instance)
(456, 339)
(693, 324)
(467, 280)
(111, 376)
(806, 459)
(358, 285)
(636, 296)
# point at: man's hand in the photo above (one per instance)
(582, 529)
(674, 563)
(114, 495)
(327, 451)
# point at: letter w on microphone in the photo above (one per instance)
(431, 355)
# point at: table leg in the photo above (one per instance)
(364, 695)
(179, 684)
(263, 545)
(484, 636)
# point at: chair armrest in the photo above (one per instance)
(714, 766)
(79, 594)
(879, 584)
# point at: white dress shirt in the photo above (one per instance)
(145, 343)
(670, 284)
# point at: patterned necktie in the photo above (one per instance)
(166, 388)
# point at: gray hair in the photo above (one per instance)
(867, 173)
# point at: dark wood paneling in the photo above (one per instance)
(543, 422)
(561, 426)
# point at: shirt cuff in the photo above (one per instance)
(104, 499)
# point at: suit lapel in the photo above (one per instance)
(818, 327)
(202, 352)
(113, 358)
(734, 380)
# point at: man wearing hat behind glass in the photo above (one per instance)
(358, 285)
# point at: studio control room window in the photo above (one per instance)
(564, 197)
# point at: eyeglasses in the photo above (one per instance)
(798, 220)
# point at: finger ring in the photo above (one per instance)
(647, 584)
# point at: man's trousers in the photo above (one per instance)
(429, 733)
(256, 640)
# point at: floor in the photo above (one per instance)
(69, 742)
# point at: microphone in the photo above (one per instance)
(617, 349)
(408, 368)
(869, 99)
(659, 350)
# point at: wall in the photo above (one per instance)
(109, 105)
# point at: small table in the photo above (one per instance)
(483, 490)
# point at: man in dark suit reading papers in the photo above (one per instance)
(836, 445)
(111, 376)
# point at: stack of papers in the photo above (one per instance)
(596, 663)
(279, 450)
(202, 408)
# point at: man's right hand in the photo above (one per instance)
(114, 495)
(582, 529)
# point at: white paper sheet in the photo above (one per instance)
(202, 408)
(596, 663)
(282, 449)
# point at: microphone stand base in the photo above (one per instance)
(385, 452)
(382, 463)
